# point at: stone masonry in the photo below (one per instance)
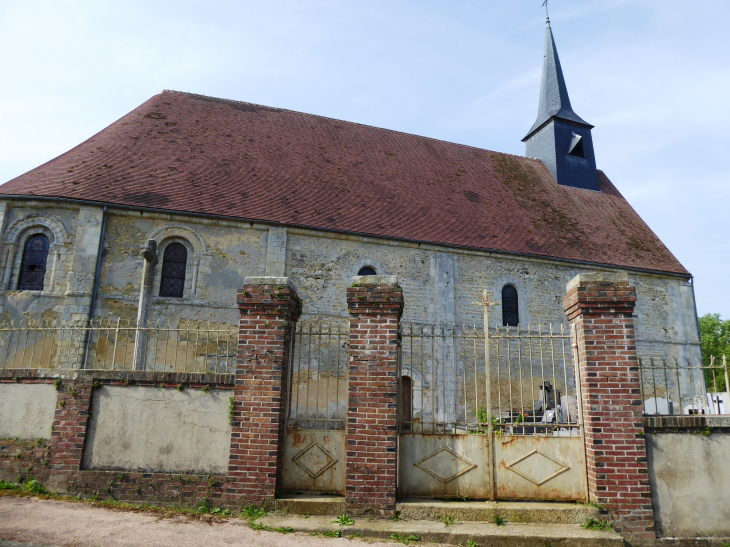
(269, 308)
(600, 306)
(375, 304)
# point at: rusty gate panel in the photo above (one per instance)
(314, 461)
(540, 467)
(444, 466)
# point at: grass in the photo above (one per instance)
(593, 524)
(499, 521)
(405, 539)
(344, 520)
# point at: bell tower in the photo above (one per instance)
(559, 137)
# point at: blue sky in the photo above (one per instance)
(651, 75)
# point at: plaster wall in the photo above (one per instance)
(27, 410)
(690, 483)
(157, 429)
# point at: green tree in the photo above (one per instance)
(715, 335)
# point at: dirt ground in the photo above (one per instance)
(72, 524)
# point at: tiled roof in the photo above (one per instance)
(189, 153)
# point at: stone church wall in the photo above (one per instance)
(439, 283)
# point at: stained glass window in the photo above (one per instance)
(174, 262)
(33, 265)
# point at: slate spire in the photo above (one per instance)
(559, 137)
(554, 100)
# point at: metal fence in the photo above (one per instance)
(319, 373)
(105, 344)
(680, 386)
(461, 380)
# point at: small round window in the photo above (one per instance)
(367, 270)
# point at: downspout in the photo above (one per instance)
(95, 293)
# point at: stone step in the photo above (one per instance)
(463, 511)
(523, 512)
(310, 504)
(483, 534)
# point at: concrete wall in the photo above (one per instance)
(156, 429)
(27, 410)
(690, 483)
(440, 284)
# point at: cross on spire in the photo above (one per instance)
(545, 4)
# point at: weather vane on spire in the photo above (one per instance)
(545, 3)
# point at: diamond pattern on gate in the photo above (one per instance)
(445, 464)
(540, 465)
(315, 460)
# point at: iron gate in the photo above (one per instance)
(314, 453)
(489, 414)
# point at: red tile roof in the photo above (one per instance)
(189, 153)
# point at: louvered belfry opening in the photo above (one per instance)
(174, 262)
(33, 265)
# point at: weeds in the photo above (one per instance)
(448, 520)
(499, 521)
(333, 534)
(282, 530)
(344, 520)
(231, 408)
(180, 387)
(57, 383)
(405, 539)
(205, 389)
(470, 543)
(592, 503)
(593, 524)
(9, 486)
(396, 516)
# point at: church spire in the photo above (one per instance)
(559, 137)
(554, 100)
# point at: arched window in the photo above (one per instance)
(33, 265)
(510, 313)
(367, 270)
(174, 262)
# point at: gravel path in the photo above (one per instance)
(69, 524)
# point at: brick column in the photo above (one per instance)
(375, 304)
(68, 434)
(269, 309)
(600, 306)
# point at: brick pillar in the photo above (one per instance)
(600, 306)
(375, 304)
(269, 309)
(68, 434)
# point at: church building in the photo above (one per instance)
(207, 191)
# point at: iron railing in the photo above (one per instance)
(106, 344)
(461, 380)
(318, 376)
(680, 386)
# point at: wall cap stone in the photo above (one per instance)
(619, 278)
(375, 280)
(270, 281)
